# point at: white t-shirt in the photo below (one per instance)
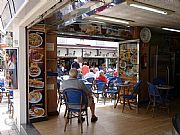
(89, 75)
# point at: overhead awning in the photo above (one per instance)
(8, 10)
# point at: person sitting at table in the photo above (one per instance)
(115, 72)
(73, 82)
(90, 74)
(75, 64)
(85, 68)
(96, 71)
(102, 77)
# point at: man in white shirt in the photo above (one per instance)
(90, 74)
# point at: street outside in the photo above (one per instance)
(7, 126)
(6, 122)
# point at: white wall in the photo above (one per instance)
(20, 94)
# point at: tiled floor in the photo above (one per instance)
(6, 122)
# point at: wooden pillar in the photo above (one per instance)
(51, 67)
(143, 64)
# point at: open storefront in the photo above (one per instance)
(35, 36)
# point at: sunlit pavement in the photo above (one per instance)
(6, 122)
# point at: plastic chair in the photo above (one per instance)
(108, 76)
(158, 81)
(89, 86)
(77, 104)
(155, 98)
(90, 80)
(112, 88)
(133, 97)
(100, 87)
(10, 102)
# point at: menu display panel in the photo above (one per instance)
(129, 60)
(36, 71)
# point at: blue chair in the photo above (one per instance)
(158, 81)
(108, 76)
(77, 104)
(155, 98)
(98, 81)
(84, 80)
(1, 82)
(100, 88)
(112, 89)
(90, 80)
(133, 97)
(89, 86)
(11, 102)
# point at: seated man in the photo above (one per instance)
(73, 82)
(90, 74)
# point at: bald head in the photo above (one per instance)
(73, 73)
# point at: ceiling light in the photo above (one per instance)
(149, 7)
(170, 29)
(112, 19)
(94, 21)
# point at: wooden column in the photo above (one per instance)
(51, 67)
(144, 64)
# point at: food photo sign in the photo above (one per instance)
(10, 68)
(36, 93)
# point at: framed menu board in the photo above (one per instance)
(129, 60)
(37, 76)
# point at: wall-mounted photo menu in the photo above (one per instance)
(129, 60)
(37, 91)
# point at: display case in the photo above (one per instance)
(37, 103)
(128, 60)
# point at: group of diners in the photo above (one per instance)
(81, 78)
(85, 71)
(74, 82)
(112, 85)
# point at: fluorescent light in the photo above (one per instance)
(148, 7)
(112, 19)
(170, 29)
(94, 21)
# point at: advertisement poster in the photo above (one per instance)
(10, 67)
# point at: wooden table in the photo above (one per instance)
(121, 87)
